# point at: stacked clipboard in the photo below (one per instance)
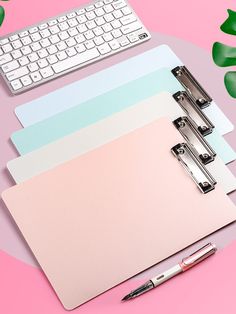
(97, 171)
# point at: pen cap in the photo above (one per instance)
(198, 256)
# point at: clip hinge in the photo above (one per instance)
(203, 124)
(195, 90)
(194, 138)
(194, 167)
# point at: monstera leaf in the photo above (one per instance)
(2, 13)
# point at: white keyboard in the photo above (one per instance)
(67, 42)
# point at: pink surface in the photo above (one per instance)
(196, 21)
(208, 288)
(182, 18)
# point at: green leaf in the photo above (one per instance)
(229, 26)
(2, 15)
(223, 55)
(230, 83)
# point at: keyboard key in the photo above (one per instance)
(62, 19)
(61, 45)
(124, 41)
(5, 58)
(33, 67)
(26, 50)
(17, 73)
(117, 14)
(70, 42)
(44, 33)
(81, 11)
(52, 49)
(100, 21)
(73, 32)
(35, 46)
(80, 48)
(99, 12)
(42, 63)
(4, 41)
(63, 26)
(23, 61)
(71, 51)
(33, 57)
(52, 22)
(43, 26)
(71, 15)
(42, 53)
(107, 27)
(80, 38)
(16, 54)
(73, 22)
(54, 29)
(107, 37)
(128, 19)
(26, 80)
(47, 72)
(36, 77)
(24, 33)
(26, 40)
(104, 49)
(126, 10)
(54, 39)
(98, 31)
(108, 8)
(116, 33)
(109, 17)
(61, 55)
(17, 44)
(89, 35)
(36, 36)
(91, 24)
(76, 60)
(16, 84)
(119, 4)
(81, 19)
(45, 42)
(7, 48)
(89, 44)
(107, 1)
(82, 28)
(114, 44)
(14, 37)
(90, 15)
(90, 8)
(116, 24)
(63, 35)
(99, 40)
(52, 59)
(133, 37)
(33, 30)
(99, 4)
(10, 66)
(131, 27)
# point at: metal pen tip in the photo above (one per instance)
(127, 297)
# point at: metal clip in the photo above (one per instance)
(195, 139)
(195, 90)
(194, 167)
(203, 124)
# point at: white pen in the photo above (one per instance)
(186, 263)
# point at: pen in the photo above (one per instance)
(186, 264)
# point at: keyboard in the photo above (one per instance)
(52, 48)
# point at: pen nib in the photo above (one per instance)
(127, 297)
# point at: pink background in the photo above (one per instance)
(195, 22)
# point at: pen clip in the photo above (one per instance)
(198, 256)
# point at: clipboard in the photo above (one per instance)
(78, 117)
(115, 126)
(105, 81)
(105, 205)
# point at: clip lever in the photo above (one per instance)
(195, 90)
(194, 167)
(195, 139)
(203, 124)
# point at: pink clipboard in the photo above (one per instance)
(107, 215)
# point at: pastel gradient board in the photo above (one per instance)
(108, 214)
(42, 133)
(32, 293)
(104, 131)
(124, 72)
